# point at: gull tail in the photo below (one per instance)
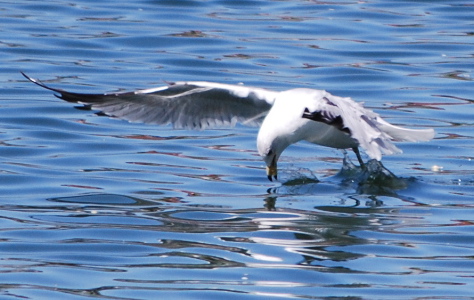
(401, 134)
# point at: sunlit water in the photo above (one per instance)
(93, 207)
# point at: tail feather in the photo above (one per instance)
(401, 134)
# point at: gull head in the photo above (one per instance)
(270, 144)
(270, 150)
(282, 127)
(271, 161)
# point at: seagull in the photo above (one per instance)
(284, 117)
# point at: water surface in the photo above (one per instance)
(93, 207)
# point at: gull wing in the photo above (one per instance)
(192, 105)
(372, 133)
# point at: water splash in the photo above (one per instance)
(372, 178)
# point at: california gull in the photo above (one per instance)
(284, 117)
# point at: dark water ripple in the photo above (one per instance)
(92, 207)
(157, 250)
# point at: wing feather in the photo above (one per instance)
(193, 105)
(363, 125)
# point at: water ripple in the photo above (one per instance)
(97, 207)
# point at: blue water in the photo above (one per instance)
(93, 207)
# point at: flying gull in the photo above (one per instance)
(284, 117)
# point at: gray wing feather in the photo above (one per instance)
(361, 124)
(193, 105)
(372, 133)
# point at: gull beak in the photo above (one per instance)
(272, 172)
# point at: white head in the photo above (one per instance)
(270, 149)
(280, 127)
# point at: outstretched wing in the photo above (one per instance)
(193, 105)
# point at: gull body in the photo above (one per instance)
(284, 125)
(285, 117)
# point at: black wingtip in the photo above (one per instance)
(28, 77)
(61, 94)
(39, 83)
(35, 81)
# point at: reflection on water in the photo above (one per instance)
(161, 249)
(92, 207)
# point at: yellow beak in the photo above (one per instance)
(272, 172)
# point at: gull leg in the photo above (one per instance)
(356, 151)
